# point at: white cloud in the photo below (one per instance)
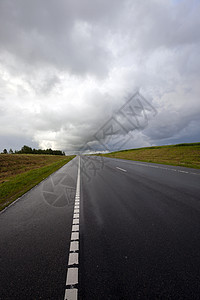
(66, 67)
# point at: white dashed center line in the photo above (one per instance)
(121, 169)
(71, 292)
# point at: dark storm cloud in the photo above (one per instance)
(58, 33)
(67, 66)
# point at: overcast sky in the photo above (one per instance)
(67, 67)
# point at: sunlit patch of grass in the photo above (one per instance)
(185, 155)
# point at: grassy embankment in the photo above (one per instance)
(184, 155)
(20, 172)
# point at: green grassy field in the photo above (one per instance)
(20, 172)
(184, 155)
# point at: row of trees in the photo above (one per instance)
(6, 152)
(28, 150)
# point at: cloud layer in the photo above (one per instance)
(66, 67)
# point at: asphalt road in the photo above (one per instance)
(139, 233)
(35, 237)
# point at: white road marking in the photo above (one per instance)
(157, 167)
(75, 236)
(73, 259)
(72, 276)
(121, 169)
(74, 246)
(75, 221)
(75, 228)
(71, 292)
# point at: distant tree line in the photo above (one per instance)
(28, 150)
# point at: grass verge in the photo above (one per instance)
(184, 155)
(15, 186)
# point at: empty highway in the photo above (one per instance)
(139, 233)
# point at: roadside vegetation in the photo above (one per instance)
(184, 155)
(19, 173)
(28, 150)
